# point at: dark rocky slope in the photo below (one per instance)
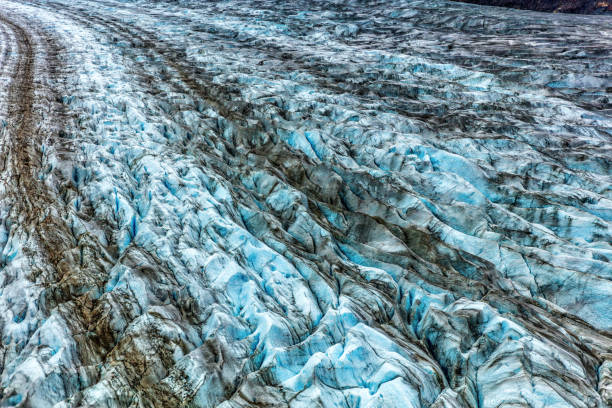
(555, 6)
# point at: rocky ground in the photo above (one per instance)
(305, 204)
(555, 6)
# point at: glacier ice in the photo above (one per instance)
(332, 204)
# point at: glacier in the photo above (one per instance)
(304, 204)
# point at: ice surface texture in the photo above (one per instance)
(305, 204)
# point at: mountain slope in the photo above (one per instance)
(556, 6)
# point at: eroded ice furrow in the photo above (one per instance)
(271, 204)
